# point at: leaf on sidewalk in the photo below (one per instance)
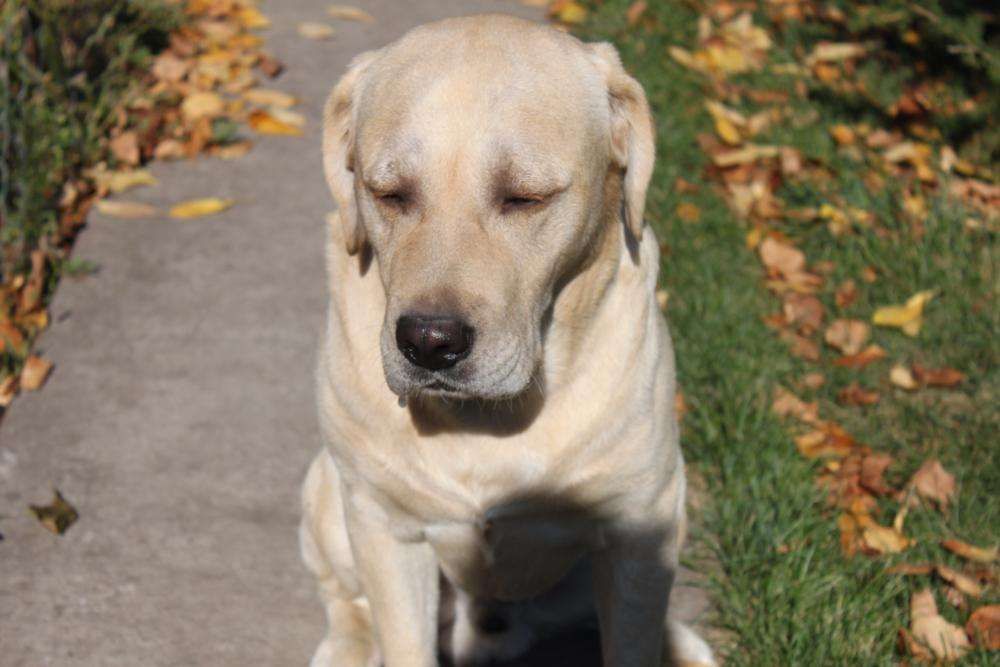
(265, 122)
(57, 516)
(269, 97)
(196, 208)
(315, 30)
(349, 13)
(128, 210)
(34, 373)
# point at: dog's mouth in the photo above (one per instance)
(442, 388)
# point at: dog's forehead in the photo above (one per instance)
(513, 88)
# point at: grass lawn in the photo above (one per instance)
(781, 585)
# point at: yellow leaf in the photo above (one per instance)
(688, 212)
(348, 13)
(882, 539)
(834, 52)
(251, 17)
(570, 12)
(270, 98)
(202, 105)
(119, 181)
(901, 376)
(315, 30)
(128, 210)
(36, 370)
(265, 123)
(196, 208)
(907, 317)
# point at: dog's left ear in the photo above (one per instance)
(633, 145)
(338, 149)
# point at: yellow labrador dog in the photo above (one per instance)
(496, 382)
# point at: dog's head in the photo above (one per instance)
(476, 158)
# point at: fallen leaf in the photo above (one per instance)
(196, 208)
(8, 390)
(168, 67)
(847, 336)
(971, 552)
(119, 181)
(348, 13)
(787, 404)
(829, 440)
(813, 380)
(800, 346)
(688, 212)
(911, 569)
(34, 373)
(205, 104)
(57, 516)
(315, 30)
(746, 154)
(270, 65)
(869, 274)
(901, 376)
(169, 149)
(846, 294)
(129, 210)
(804, 311)
(237, 149)
(781, 256)
(873, 467)
(270, 98)
(662, 297)
(907, 317)
(568, 11)
(960, 580)
(937, 377)
(634, 12)
(855, 394)
(10, 337)
(934, 483)
(251, 18)
(843, 134)
(869, 355)
(884, 539)
(265, 122)
(930, 635)
(984, 627)
(834, 52)
(125, 148)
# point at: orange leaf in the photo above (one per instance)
(868, 355)
(970, 552)
(265, 123)
(984, 627)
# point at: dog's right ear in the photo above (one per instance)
(339, 120)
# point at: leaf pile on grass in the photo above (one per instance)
(89, 93)
(853, 150)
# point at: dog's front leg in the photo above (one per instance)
(632, 580)
(400, 580)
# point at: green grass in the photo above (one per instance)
(811, 605)
(66, 68)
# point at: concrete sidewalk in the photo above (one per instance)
(180, 417)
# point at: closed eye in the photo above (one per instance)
(393, 199)
(516, 203)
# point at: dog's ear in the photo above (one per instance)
(339, 120)
(633, 144)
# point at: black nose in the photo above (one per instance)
(434, 343)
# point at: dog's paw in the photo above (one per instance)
(687, 648)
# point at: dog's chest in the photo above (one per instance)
(512, 557)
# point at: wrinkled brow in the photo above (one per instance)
(393, 163)
(518, 171)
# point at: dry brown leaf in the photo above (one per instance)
(265, 122)
(971, 552)
(855, 394)
(813, 380)
(901, 376)
(847, 336)
(984, 627)
(196, 208)
(250, 17)
(635, 12)
(911, 569)
(10, 337)
(869, 274)
(745, 155)
(168, 67)
(270, 65)
(128, 210)
(873, 467)
(803, 310)
(34, 373)
(8, 390)
(57, 516)
(688, 212)
(937, 377)
(934, 483)
(869, 355)
(237, 149)
(846, 294)
(884, 539)
(782, 257)
(800, 346)
(961, 581)
(930, 635)
(834, 52)
(844, 135)
(204, 104)
(829, 440)
(169, 149)
(315, 30)
(125, 148)
(348, 13)
(907, 317)
(787, 404)
(120, 181)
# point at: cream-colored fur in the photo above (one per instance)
(497, 169)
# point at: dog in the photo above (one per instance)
(496, 381)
